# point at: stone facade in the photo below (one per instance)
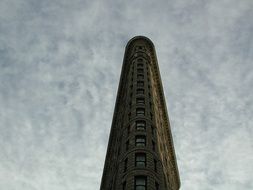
(140, 154)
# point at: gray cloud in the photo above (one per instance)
(59, 71)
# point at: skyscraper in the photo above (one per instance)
(140, 153)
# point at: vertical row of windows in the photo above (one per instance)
(140, 182)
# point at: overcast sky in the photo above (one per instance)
(60, 63)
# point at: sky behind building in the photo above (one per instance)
(59, 71)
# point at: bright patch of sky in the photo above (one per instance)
(60, 63)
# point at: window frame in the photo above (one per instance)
(140, 76)
(140, 111)
(140, 84)
(140, 160)
(140, 91)
(140, 100)
(140, 70)
(140, 141)
(138, 182)
(140, 125)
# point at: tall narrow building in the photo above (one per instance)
(140, 153)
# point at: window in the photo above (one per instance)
(140, 91)
(153, 145)
(140, 159)
(152, 130)
(140, 101)
(119, 151)
(140, 76)
(156, 186)
(140, 141)
(140, 71)
(140, 183)
(139, 48)
(140, 83)
(128, 130)
(139, 59)
(139, 65)
(125, 165)
(129, 115)
(155, 165)
(140, 125)
(124, 185)
(127, 145)
(140, 111)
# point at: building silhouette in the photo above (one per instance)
(140, 153)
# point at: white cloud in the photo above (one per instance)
(60, 66)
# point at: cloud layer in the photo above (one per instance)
(59, 72)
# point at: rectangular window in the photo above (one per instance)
(124, 185)
(153, 145)
(140, 160)
(152, 130)
(140, 83)
(125, 165)
(127, 145)
(140, 76)
(156, 186)
(140, 183)
(155, 165)
(128, 130)
(140, 111)
(140, 91)
(139, 65)
(139, 59)
(140, 141)
(140, 71)
(119, 151)
(140, 125)
(140, 101)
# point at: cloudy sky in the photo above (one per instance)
(60, 63)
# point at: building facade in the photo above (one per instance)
(140, 153)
